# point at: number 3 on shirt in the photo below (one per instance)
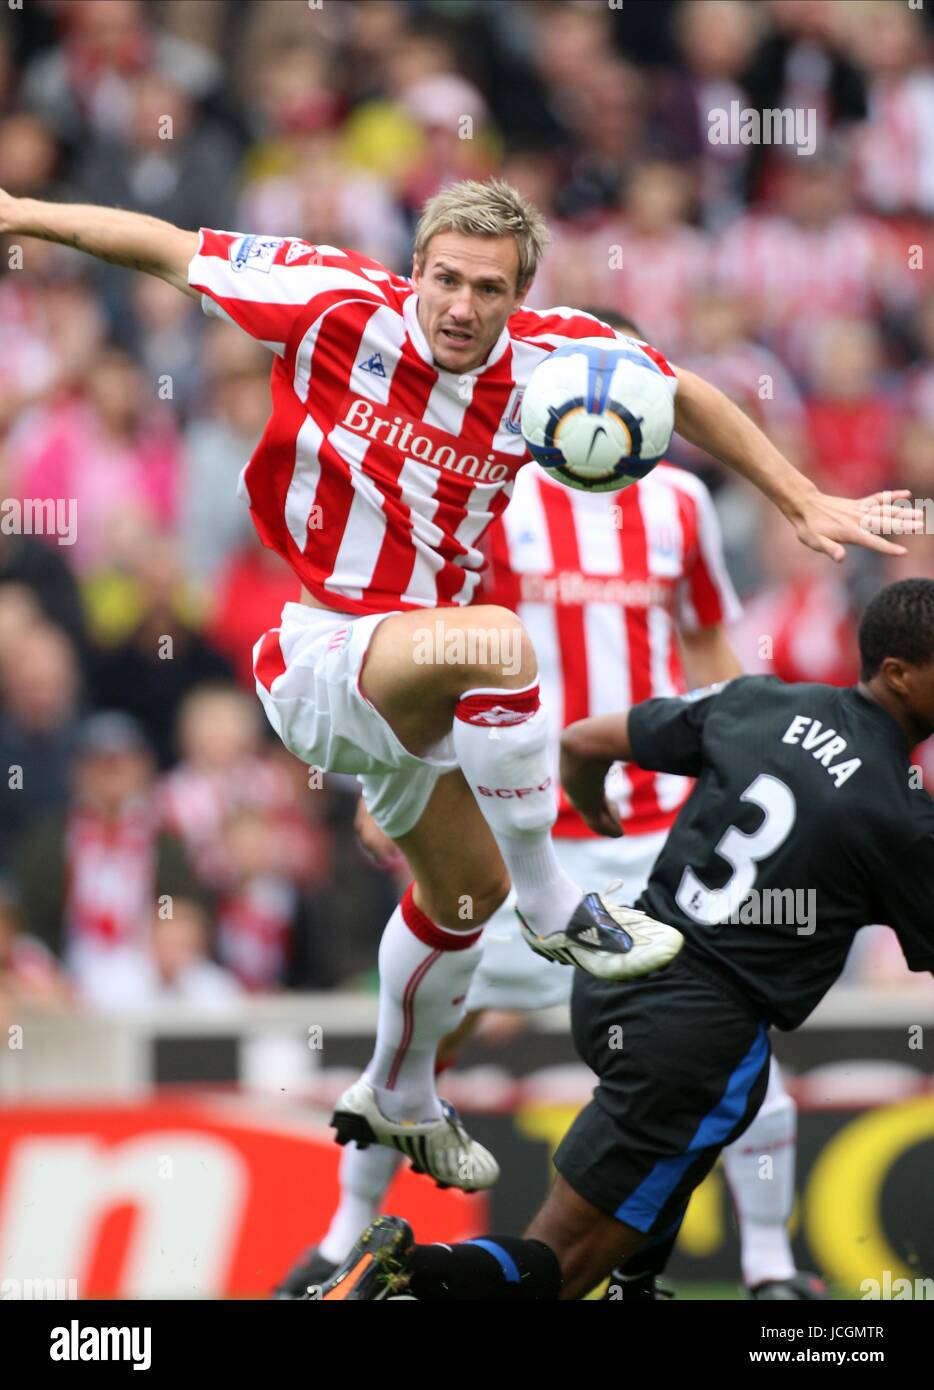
(742, 852)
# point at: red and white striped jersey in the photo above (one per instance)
(602, 581)
(378, 472)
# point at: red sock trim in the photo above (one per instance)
(430, 935)
(498, 707)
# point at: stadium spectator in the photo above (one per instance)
(83, 85)
(457, 143)
(894, 148)
(221, 436)
(316, 195)
(919, 380)
(658, 261)
(166, 337)
(159, 159)
(645, 259)
(607, 122)
(715, 39)
(380, 135)
(533, 169)
(347, 906)
(112, 451)
(268, 933)
(165, 657)
(89, 871)
(811, 257)
(29, 157)
(914, 461)
(223, 770)
(29, 973)
(802, 63)
(289, 93)
(801, 624)
(52, 326)
(40, 687)
(28, 563)
(171, 962)
(723, 349)
(851, 422)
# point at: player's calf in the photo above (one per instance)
(587, 1243)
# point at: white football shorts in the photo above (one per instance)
(308, 679)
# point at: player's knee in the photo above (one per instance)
(498, 648)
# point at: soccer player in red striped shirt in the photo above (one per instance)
(392, 445)
(625, 596)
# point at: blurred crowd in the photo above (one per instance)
(153, 839)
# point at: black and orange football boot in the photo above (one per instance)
(375, 1269)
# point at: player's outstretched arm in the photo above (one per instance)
(123, 238)
(588, 750)
(709, 419)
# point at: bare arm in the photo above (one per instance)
(709, 419)
(123, 238)
(588, 750)
(708, 657)
(590, 747)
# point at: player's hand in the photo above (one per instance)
(7, 211)
(583, 779)
(603, 819)
(378, 846)
(827, 524)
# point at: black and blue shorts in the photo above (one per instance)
(682, 1059)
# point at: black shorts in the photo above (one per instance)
(683, 1065)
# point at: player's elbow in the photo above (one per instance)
(600, 738)
(174, 252)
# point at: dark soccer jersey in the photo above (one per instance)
(803, 827)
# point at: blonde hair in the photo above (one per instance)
(493, 208)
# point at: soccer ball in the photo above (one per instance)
(598, 414)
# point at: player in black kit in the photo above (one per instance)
(804, 825)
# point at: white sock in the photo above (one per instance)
(365, 1175)
(501, 741)
(424, 974)
(763, 1191)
